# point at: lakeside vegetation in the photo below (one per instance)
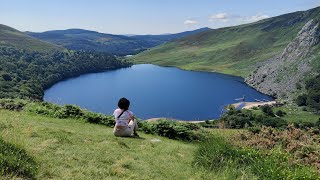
(47, 132)
(25, 74)
(28, 66)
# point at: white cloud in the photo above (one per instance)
(190, 22)
(254, 18)
(219, 17)
(225, 19)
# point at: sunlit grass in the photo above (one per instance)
(66, 148)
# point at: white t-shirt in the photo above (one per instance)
(123, 120)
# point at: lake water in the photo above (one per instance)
(154, 91)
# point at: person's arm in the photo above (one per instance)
(114, 115)
(131, 117)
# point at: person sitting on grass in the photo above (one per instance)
(126, 123)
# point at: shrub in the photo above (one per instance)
(312, 97)
(301, 145)
(305, 125)
(298, 86)
(72, 111)
(172, 130)
(236, 119)
(254, 130)
(99, 119)
(267, 110)
(280, 113)
(15, 161)
(216, 154)
(11, 104)
(146, 127)
(274, 122)
(301, 100)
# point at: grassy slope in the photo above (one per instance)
(68, 149)
(294, 114)
(10, 36)
(232, 50)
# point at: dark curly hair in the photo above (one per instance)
(124, 103)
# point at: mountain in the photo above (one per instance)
(156, 40)
(234, 50)
(79, 39)
(12, 37)
(282, 74)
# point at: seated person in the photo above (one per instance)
(126, 124)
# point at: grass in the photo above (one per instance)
(20, 40)
(68, 148)
(233, 50)
(76, 149)
(294, 114)
(217, 154)
(15, 161)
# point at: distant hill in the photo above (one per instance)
(232, 50)
(12, 37)
(79, 39)
(156, 40)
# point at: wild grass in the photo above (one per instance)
(218, 155)
(301, 146)
(69, 148)
(10, 36)
(68, 142)
(15, 162)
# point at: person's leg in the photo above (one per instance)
(123, 132)
(134, 127)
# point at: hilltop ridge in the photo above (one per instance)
(87, 40)
(233, 50)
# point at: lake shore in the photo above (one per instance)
(250, 105)
(170, 119)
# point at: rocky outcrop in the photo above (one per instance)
(279, 75)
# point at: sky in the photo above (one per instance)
(141, 16)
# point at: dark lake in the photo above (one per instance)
(154, 91)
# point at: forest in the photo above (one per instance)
(26, 74)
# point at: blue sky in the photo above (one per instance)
(141, 16)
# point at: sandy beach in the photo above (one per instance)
(249, 105)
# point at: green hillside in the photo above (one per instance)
(232, 50)
(12, 37)
(28, 66)
(80, 39)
